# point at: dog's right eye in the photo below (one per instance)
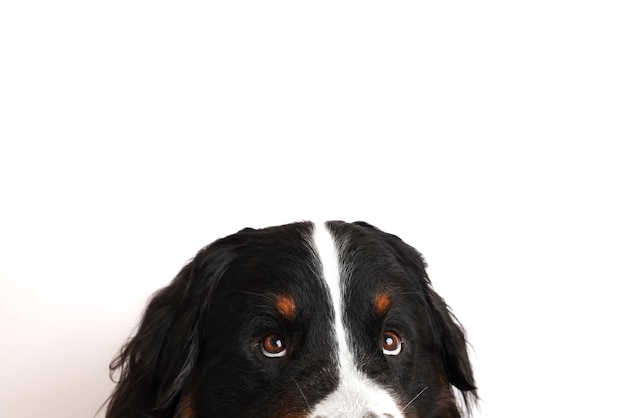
(273, 345)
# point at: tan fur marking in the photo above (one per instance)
(185, 408)
(382, 302)
(286, 306)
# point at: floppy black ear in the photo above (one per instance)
(157, 362)
(450, 340)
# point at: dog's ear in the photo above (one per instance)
(449, 336)
(450, 340)
(156, 364)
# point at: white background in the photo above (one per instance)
(488, 134)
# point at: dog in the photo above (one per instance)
(309, 320)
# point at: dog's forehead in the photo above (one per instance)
(300, 252)
(301, 271)
(305, 254)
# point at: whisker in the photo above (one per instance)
(254, 294)
(414, 398)
(302, 393)
(413, 293)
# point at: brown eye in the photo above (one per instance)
(273, 345)
(392, 343)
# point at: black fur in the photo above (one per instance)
(196, 351)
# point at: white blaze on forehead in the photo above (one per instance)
(329, 257)
(356, 395)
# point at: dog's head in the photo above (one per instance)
(301, 320)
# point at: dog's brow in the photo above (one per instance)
(286, 306)
(382, 302)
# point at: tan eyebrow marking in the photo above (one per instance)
(382, 302)
(286, 306)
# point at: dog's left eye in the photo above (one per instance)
(273, 345)
(392, 343)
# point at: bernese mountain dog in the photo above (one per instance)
(310, 320)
